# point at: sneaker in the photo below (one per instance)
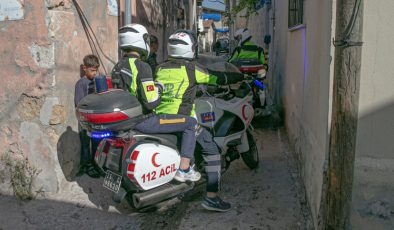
(81, 171)
(91, 171)
(216, 204)
(191, 175)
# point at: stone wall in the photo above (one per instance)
(40, 60)
(40, 57)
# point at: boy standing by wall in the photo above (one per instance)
(83, 87)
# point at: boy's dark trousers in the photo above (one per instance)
(88, 147)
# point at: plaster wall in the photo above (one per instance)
(373, 190)
(40, 59)
(306, 96)
(300, 84)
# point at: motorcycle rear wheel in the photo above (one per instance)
(251, 157)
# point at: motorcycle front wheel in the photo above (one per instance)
(251, 157)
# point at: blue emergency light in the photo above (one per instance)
(101, 135)
(259, 84)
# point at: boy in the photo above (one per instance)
(83, 87)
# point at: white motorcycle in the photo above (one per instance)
(141, 167)
(255, 74)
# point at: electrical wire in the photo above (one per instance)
(95, 38)
(345, 40)
(88, 35)
(92, 39)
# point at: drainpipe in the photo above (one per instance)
(342, 145)
(127, 15)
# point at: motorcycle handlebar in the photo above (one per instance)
(214, 90)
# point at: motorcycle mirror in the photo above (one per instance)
(267, 39)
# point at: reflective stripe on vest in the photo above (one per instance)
(176, 82)
(134, 71)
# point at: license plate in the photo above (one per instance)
(112, 181)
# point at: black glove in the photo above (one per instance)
(234, 77)
(226, 78)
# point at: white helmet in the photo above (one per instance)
(241, 35)
(134, 37)
(182, 44)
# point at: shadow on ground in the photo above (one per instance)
(47, 214)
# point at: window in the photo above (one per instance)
(296, 13)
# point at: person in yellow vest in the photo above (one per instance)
(180, 76)
(246, 49)
(131, 73)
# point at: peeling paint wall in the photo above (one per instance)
(40, 58)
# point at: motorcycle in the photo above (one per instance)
(255, 74)
(141, 167)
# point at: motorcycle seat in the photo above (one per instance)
(170, 140)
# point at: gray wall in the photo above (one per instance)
(307, 95)
(373, 191)
(300, 81)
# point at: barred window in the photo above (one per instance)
(296, 13)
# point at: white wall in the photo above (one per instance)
(373, 193)
(301, 76)
(301, 80)
(307, 95)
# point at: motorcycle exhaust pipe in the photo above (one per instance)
(158, 194)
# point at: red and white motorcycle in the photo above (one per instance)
(141, 167)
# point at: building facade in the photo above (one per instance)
(41, 54)
(301, 83)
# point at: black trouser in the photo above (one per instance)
(88, 147)
(211, 155)
(172, 123)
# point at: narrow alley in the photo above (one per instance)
(110, 97)
(270, 197)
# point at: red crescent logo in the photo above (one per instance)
(154, 163)
(243, 113)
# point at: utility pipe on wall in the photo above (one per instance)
(127, 15)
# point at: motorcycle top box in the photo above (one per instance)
(248, 65)
(114, 110)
